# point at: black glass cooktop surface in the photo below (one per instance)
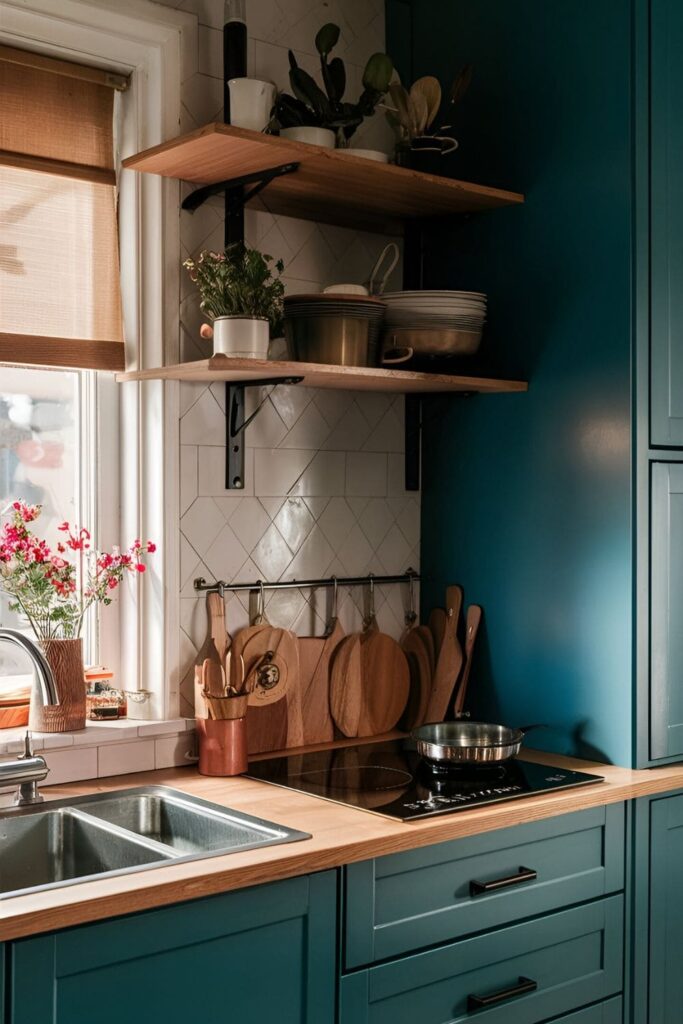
(390, 778)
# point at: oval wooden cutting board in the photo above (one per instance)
(418, 655)
(369, 683)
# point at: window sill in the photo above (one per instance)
(103, 749)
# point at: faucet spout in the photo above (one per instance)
(46, 680)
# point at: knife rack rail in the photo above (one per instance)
(220, 586)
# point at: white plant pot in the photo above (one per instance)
(241, 336)
(251, 102)
(324, 137)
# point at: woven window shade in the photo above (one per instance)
(60, 302)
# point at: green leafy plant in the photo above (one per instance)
(239, 282)
(310, 106)
(413, 112)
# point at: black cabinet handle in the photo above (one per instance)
(524, 986)
(523, 875)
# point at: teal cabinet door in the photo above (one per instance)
(666, 584)
(666, 206)
(257, 955)
(666, 911)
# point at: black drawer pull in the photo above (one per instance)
(524, 986)
(523, 875)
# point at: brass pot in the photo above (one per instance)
(335, 340)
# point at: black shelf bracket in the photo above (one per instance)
(235, 189)
(236, 424)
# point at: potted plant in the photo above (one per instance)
(54, 589)
(323, 117)
(243, 298)
(413, 114)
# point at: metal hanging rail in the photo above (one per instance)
(219, 587)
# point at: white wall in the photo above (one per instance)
(324, 470)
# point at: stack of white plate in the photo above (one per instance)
(434, 322)
(436, 310)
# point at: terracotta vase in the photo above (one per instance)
(65, 658)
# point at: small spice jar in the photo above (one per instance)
(103, 702)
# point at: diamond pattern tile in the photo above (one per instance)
(324, 490)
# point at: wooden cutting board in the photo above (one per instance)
(438, 621)
(472, 624)
(418, 655)
(315, 656)
(369, 684)
(214, 648)
(271, 670)
(449, 661)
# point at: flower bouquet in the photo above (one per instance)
(54, 589)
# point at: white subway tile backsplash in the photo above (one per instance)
(272, 554)
(336, 522)
(204, 422)
(188, 476)
(312, 558)
(276, 471)
(124, 758)
(323, 476)
(249, 521)
(201, 524)
(294, 521)
(226, 555)
(366, 474)
(175, 750)
(71, 765)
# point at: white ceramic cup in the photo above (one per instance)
(367, 154)
(251, 102)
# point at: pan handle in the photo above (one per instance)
(527, 728)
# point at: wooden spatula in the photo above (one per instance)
(450, 659)
(438, 620)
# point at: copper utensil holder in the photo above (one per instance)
(223, 743)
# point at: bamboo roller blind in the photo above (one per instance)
(60, 301)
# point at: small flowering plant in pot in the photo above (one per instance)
(54, 589)
(241, 292)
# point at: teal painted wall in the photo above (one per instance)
(527, 499)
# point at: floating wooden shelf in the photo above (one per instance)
(318, 375)
(331, 186)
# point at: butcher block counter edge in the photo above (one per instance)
(340, 835)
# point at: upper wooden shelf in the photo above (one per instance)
(331, 186)
(348, 378)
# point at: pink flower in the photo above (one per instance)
(140, 567)
(151, 547)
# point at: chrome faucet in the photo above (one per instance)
(29, 769)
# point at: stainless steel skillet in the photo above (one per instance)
(468, 743)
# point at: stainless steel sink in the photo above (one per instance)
(127, 830)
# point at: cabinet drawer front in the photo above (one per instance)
(547, 967)
(609, 1012)
(406, 901)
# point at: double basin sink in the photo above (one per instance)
(68, 841)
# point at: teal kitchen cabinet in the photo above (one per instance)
(540, 506)
(666, 585)
(266, 953)
(658, 911)
(524, 974)
(666, 170)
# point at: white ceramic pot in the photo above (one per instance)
(251, 102)
(241, 336)
(367, 154)
(324, 137)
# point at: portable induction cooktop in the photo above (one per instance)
(390, 778)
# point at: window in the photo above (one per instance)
(60, 300)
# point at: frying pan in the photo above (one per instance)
(466, 742)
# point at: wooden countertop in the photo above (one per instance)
(340, 835)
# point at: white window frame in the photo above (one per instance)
(157, 46)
